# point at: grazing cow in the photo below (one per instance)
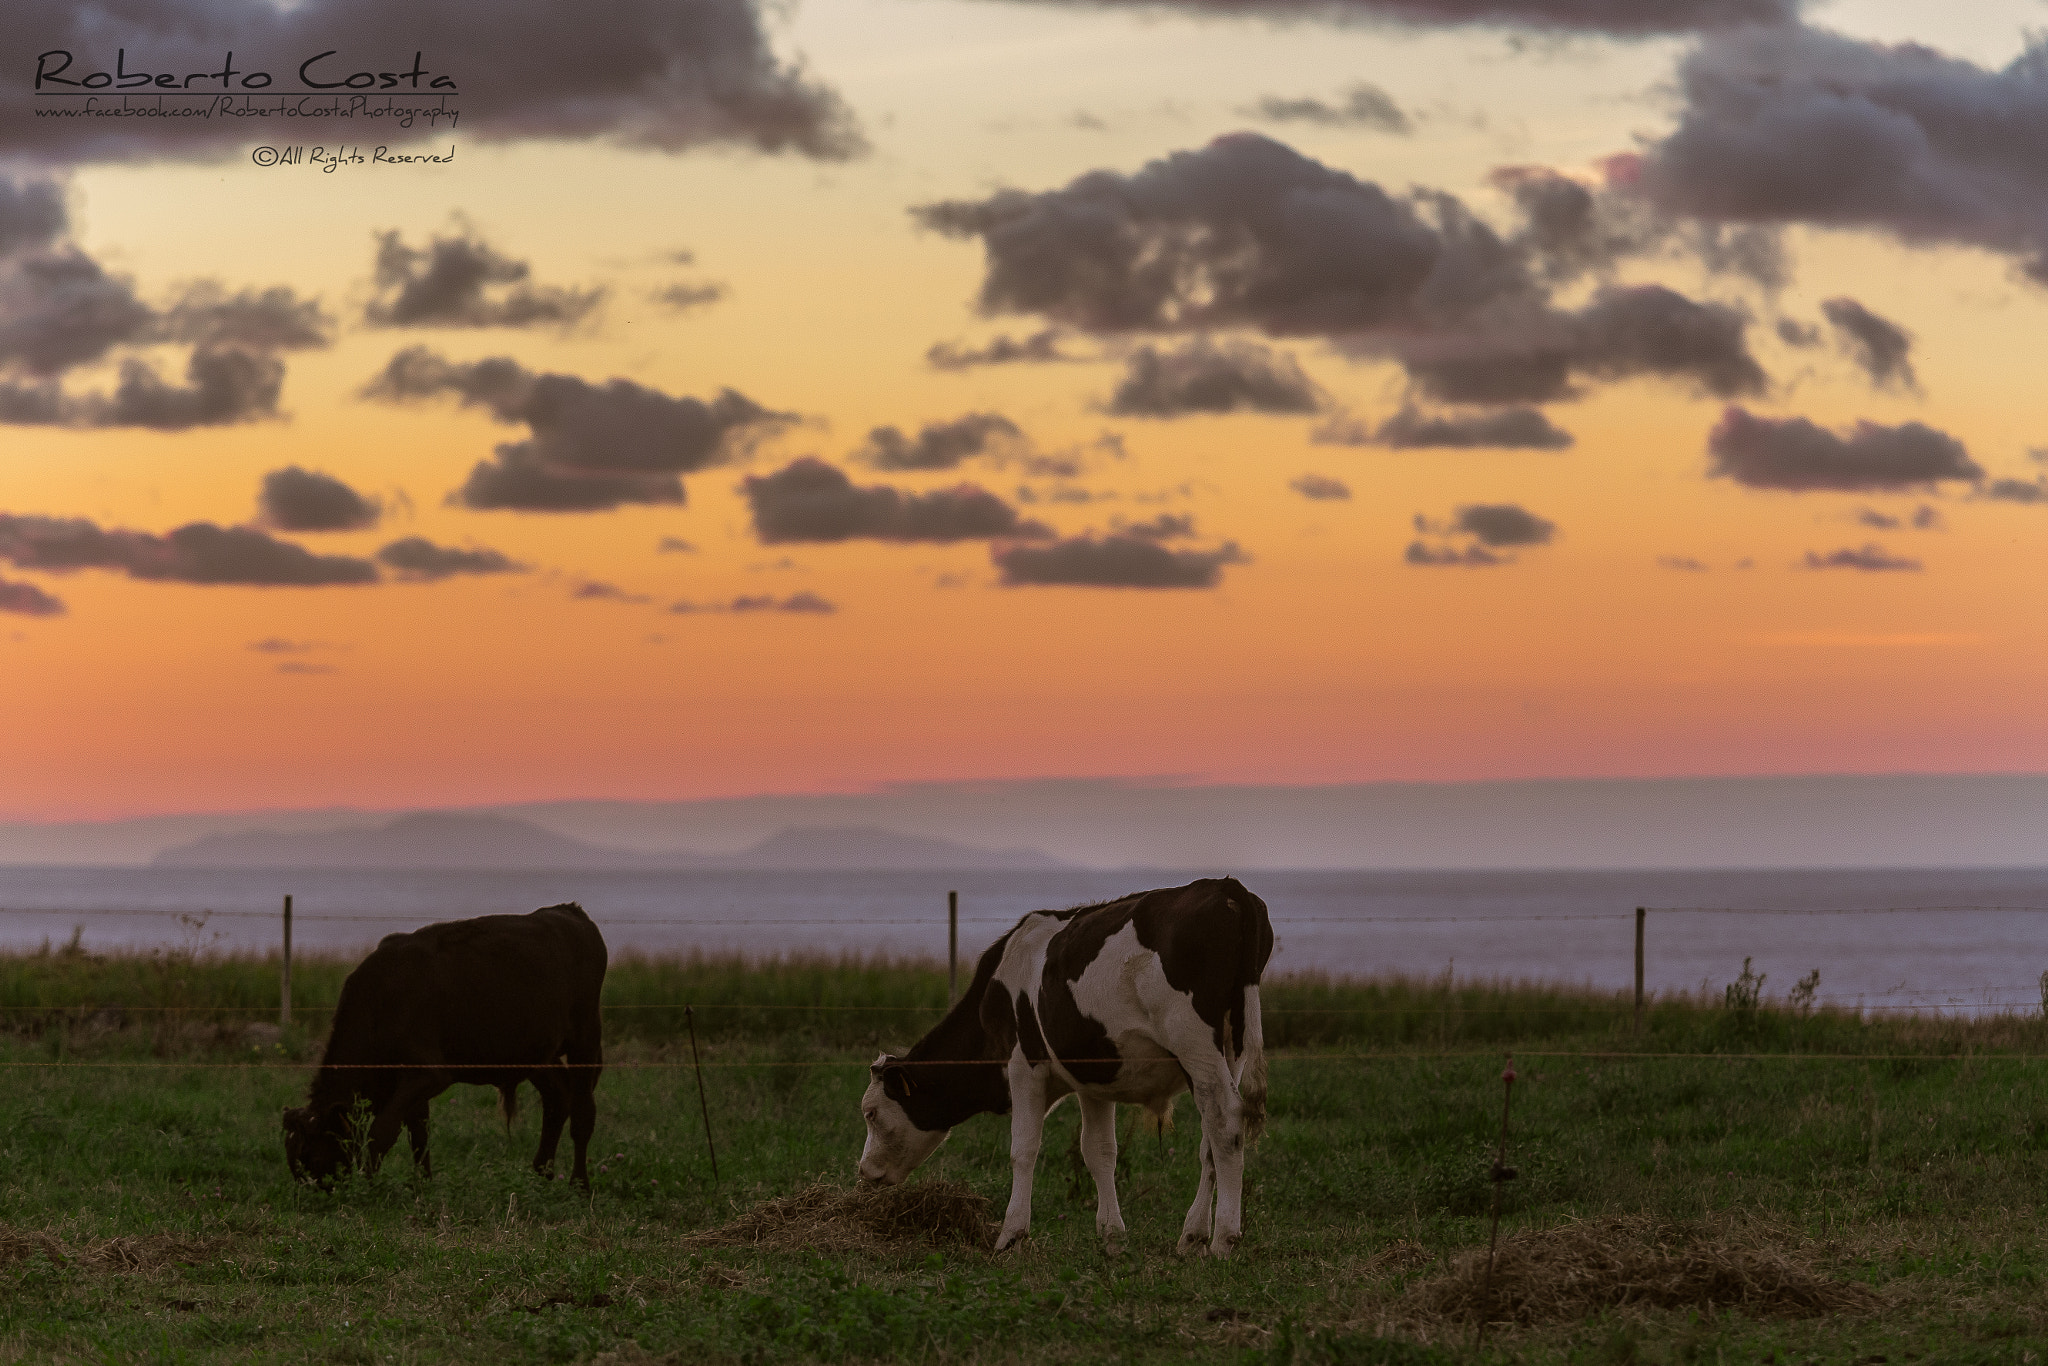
(493, 1001)
(1133, 1000)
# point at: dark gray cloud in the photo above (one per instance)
(1120, 559)
(642, 73)
(419, 560)
(593, 446)
(1040, 348)
(1684, 564)
(1473, 556)
(1877, 521)
(1165, 526)
(1364, 106)
(277, 645)
(273, 319)
(684, 296)
(804, 603)
(2017, 490)
(1800, 125)
(1248, 233)
(809, 500)
(60, 309)
(1793, 453)
(1881, 347)
(197, 553)
(598, 591)
(1507, 428)
(1868, 558)
(1320, 487)
(459, 280)
(25, 599)
(294, 499)
(938, 445)
(1620, 18)
(675, 545)
(1795, 333)
(32, 213)
(1624, 331)
(1210, 377)
(1570, 230)
(1501, 525)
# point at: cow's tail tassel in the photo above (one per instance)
(508, 1104)
(1251, 1079)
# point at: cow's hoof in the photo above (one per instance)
(1113, 1246)
(1222, 1247)
(1008, 1239)
(1191, 1244)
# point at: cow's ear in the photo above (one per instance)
(896, 1082)
(881, 1065)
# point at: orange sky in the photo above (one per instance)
(1322, 657)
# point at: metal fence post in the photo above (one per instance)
(1640, 910)
(284, 993)
(952, 947)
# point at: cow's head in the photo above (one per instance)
(315, 1143)
(896, 1143)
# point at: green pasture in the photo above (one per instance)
(1798, 1186)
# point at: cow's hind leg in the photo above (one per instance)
(554, 1109)
(1027, 1132)
(1098, 1150)
(1195, 1231)
(1223, 1151)
(581, 1084)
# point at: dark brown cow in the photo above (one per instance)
(493, 1001)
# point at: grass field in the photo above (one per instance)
(1799, 1186)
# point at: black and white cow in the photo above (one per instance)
(1133, 1000)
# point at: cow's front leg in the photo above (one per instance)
(416, 1130)
(1194, 1232)
(1098, 1150)
(1027, 1131)
(409, 1099)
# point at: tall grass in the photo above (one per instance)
(809, 1002)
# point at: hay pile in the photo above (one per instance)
(1562, 1274)
(835, 1219)
(112, 1254)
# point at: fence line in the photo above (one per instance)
(1603, 1055)
(2031, 1002)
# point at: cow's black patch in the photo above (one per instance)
(1028, 1033)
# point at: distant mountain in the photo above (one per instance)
(448, 840)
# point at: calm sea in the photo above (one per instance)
(1954, 939)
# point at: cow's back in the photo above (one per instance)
(499, 989)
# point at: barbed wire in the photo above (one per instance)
(653, 1065)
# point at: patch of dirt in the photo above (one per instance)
(1561, 1274)
(146, 1253)
(826, 1218)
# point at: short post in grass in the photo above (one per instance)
(703, 1105)
(1501, 1173)
(1640, 912)
(284, 986)
(952, 947)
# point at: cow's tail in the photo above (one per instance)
(508, 1104)
(1251, 1078)
(1256, 947)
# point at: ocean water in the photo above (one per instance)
(1946, 940)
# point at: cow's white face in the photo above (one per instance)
(895, 1146)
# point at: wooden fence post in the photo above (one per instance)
(952, 947)
(284, 994)
(1640, 910)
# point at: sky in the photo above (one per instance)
(813, 398)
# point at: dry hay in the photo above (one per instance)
(835, 1219)
(146, 1253)
(1562, 1274)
